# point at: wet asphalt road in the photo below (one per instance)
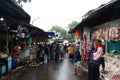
(53, 70)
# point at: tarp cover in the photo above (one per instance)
(51, 33)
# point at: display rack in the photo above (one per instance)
(112, 66)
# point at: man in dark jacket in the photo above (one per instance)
(77, 60)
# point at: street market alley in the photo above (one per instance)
(53, 70)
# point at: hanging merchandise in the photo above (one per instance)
(111, 33)
(30, 42)
(25, 43)
(85, 43)
(78, 34)
(106, 34)
(22, 35)
(16, 53)
(93, 35)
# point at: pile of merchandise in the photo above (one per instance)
(33, 65)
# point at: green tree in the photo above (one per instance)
(70, 26)
(73, 24)
(60, 31)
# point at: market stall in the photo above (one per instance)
(38, 37)
(12, 19)
(108, 33)
(105, 24)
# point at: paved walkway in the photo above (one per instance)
(53, 70)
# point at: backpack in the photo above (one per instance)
(91, 56)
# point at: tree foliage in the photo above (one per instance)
(73, 24)
(59, 30)
(70, 26)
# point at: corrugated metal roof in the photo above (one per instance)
(102, 14)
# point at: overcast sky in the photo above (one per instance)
(47, 13)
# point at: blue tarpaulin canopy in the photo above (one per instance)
(51, 33)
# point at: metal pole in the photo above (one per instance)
(35, 20)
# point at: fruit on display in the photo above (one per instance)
(3, 55)
(33, 65)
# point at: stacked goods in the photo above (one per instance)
(115, 76)
(3, 55)
(112, 65)
(33, 65)
(16, 53)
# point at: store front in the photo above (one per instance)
(12, 19)
(106, 29)
(109, 34)
(38, 38)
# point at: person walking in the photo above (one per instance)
(77, 60)
(71, 51)
(61, 52)
(57, 51)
